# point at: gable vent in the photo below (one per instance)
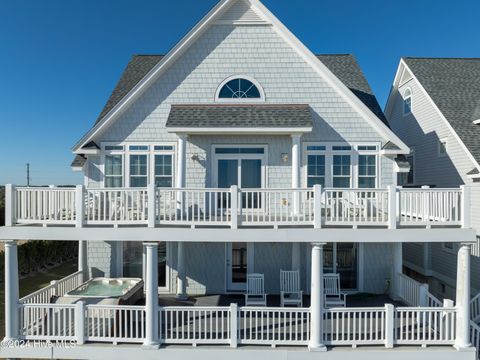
(240, 12)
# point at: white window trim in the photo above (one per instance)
(240, 101)
(404, 98)
(126, 159)
(439, 153)
(215, 157)
(354, 152)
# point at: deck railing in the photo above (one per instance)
(414, 293)
(234, 207)
(55, 288)
(475, 308)
(232, 325)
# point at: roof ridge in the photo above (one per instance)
(440, 58)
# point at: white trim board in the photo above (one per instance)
(284, 33)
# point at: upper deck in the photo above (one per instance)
(316, 207)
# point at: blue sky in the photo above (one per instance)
(61, 59)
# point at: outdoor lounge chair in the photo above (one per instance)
(255, 294)
(331, 290)
(290, 293)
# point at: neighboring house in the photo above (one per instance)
(434, 107)
(239, 152)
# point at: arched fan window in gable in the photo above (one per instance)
(239, 88)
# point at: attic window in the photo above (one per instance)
(239, 89)
(407, 102)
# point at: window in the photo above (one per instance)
(367, 171)
(239, 88)
(407, 102)
(132, 261)
(341, 171)
(408, 178)
(113, 171)
(449, 247)
(316, 170)
(235, 150)
(442, 147)
(138, 171)
(163, 170)
(342, 148)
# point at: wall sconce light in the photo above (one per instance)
(285, 157)
(195, 157)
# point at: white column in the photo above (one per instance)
(181, 279)
(296, 256)
(181, 161)
(151, 297)
(397, 267)
(144, 267)
(296, 171)
(82, 258)
(462, 339)
(316, 300)
(11, 290)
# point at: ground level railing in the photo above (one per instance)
(233, 207)
(232, 325)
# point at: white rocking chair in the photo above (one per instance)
(290, 293)
(331, 290)
(255, 294)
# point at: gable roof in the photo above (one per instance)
(344, 66)
(267, 18)
(454, 86)
(273, 116)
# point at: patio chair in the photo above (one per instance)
(290, 293)
(255, 294)
(332, 292)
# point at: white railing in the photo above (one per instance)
(475, 308)
(195, 325)
(194, 206)
(55, 288)
(276, 206)
(409, 290)
(475, 336)
(47, 321)
(354, 326)
(423, 206)
(273, 326)
(432, 301)
(115, 323)
(68, 283)
(355, 206)
(425, 326)
(45, 205)
(116, 206)
(235, 207)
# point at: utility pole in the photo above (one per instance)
(28, 174)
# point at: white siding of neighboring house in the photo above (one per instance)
(422, 130)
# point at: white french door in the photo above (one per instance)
(239, 262)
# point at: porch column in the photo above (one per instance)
(151, 297)
(462, 339)
(181, 280)
(181, 161)
(296, 170)
(397, 267)
(296, 256)
(316, 299)
(11, 290)
(82, 259)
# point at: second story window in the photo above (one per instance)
(316, 170)
(407, 101)
(163, 170)
(367, 171)
(442, 147)
(341, 170)
(113, 171)
(138, 170)
(239, 89)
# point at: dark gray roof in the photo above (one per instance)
(344, 66)
(390, 146)
(454, 86)
(78, 161)
(474, 171)
(137, 68)
(240, 116)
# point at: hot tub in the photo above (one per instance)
(101, 290)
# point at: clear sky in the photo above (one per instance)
(59, 59)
